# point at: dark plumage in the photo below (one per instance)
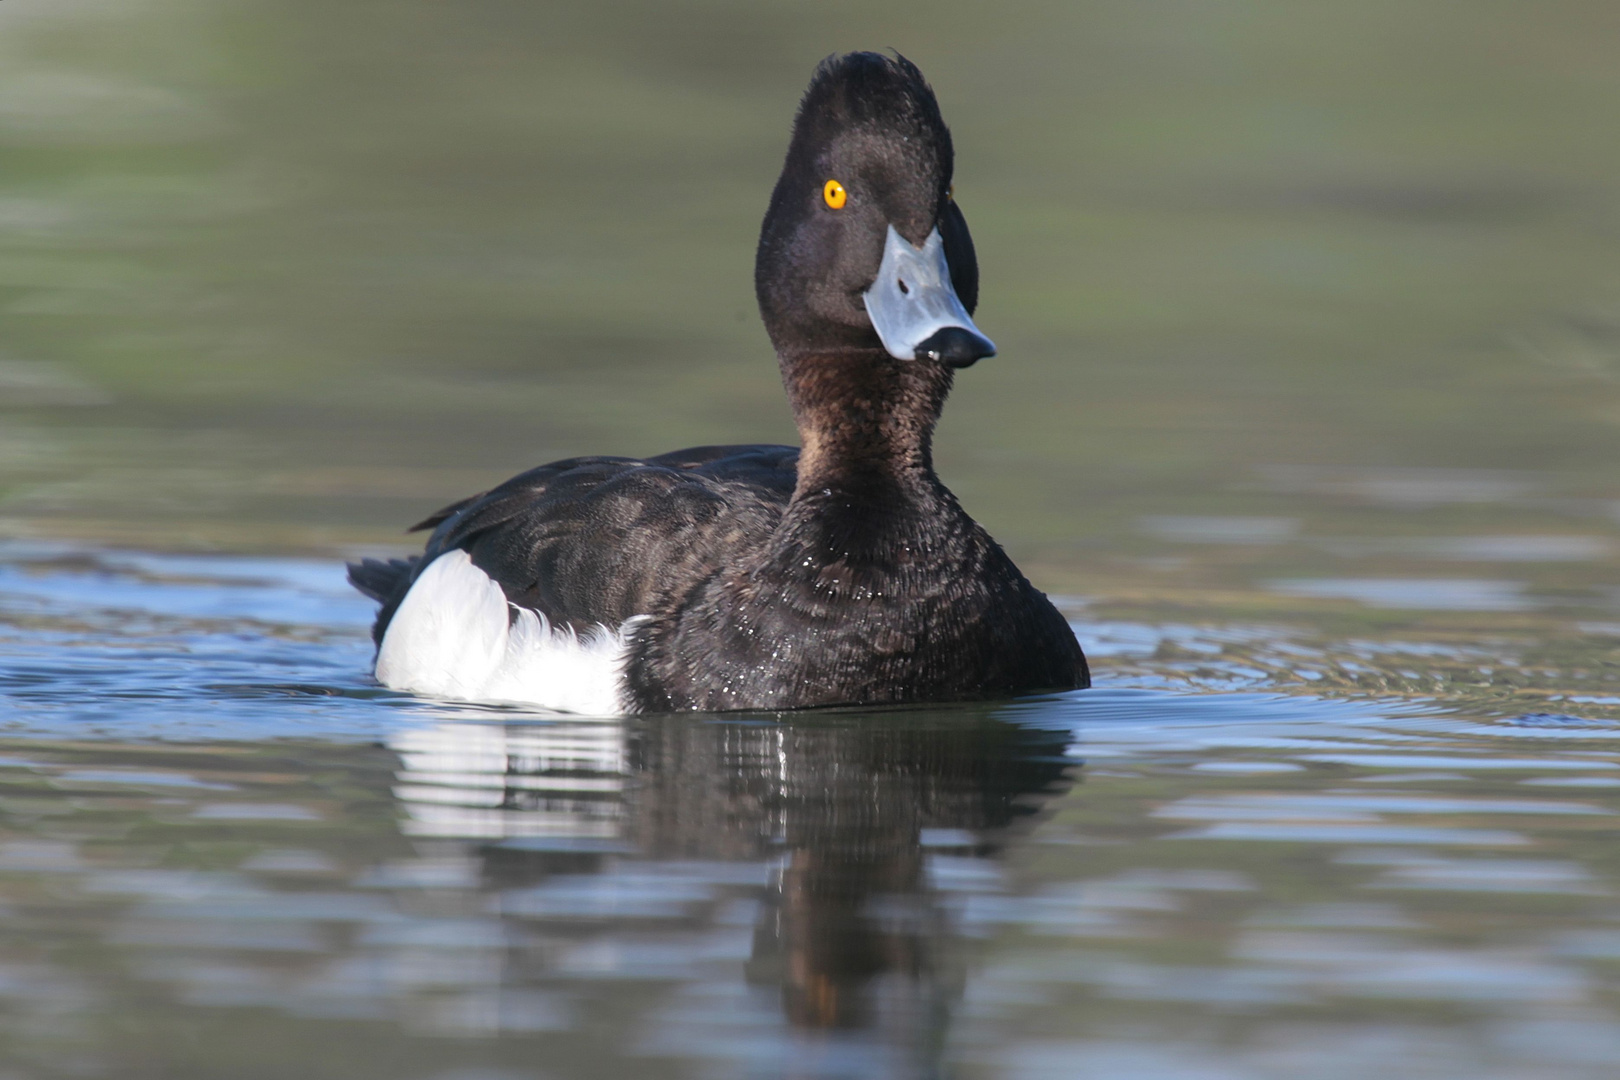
(840, 573)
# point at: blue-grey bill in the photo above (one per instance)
(912, 299)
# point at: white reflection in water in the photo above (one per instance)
(1521, 728)
(956, 874)
(625, 895)
(1322, 1051)
(1101, 1058)
(1591, 944)
(1354, 806)
(426, 872)
(1096, 907)
(724, 1022)
(647, 956)
(1299, 966)
(1573, 781)
(1581, 1040)
(40, 856)
(1246, 768)
(1221, 530)
(180, 886)
(1492, 875)
(1117, 640)
(1405, 487)
(266, 936)
(257, 905)
(290, 861)
(1431, 594)
(489, 1013)
(1361, 965)
(1219, 987)
(1458, 761)
(561, 781)
(1351, 834)
(136, 779)
(1531, 549)
(256, 812)
(1345, 915)
(438, 933)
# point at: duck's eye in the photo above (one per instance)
(835, 194)
(950, 193)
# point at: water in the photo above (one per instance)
(226, 852)
(1305, 413)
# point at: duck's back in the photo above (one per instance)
(594, 541)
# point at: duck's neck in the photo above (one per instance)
(866, 421)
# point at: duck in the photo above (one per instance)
(841, 572)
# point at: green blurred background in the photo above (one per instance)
(1280, 287)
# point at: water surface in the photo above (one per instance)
(227, 852)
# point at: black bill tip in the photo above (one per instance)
(955, 346)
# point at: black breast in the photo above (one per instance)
(872, 596)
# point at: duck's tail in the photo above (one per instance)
(385, 581)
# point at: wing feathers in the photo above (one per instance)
(596, 540)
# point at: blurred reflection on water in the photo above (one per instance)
(222, 852)
(793, 875)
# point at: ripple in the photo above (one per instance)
(1432, 594)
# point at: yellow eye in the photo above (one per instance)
(835, 194)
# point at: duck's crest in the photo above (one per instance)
(867, 89)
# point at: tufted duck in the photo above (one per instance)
(763, 577)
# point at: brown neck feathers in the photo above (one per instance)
(864, 416)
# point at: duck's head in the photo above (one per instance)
(863, 245)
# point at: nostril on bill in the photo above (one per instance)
(956, 346)
(903, 289)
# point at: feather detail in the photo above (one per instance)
(456, 636)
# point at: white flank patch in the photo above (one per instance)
(454, 637)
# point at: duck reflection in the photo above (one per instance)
(485, 781)
(839, 836)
